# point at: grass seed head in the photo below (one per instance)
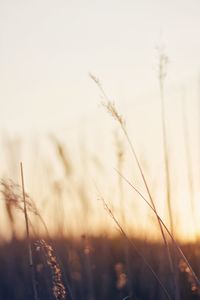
(12, 195)
(58, 287)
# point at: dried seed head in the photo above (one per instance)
(110, 106)
(111, 109)
(58, 287)
(185, 269)
(12, 194)
(94, 78)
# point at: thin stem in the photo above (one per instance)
(112, 110)
(34, 285)
(163, 59)
(167, 230)
(135, 248)
(188, 158)
(165, 149)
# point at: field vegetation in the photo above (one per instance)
(63, 247)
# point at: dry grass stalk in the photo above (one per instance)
(112, 110)
(58, 287)
(114, 113)
(13, 197)
(135, 248)
(34, 285)
(120, 160)
(162, 73)
(188, 158)
(167, 230)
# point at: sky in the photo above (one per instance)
(48, 48)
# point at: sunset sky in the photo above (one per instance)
(48, 48)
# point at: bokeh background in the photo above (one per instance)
(52, 120)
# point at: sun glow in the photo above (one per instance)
(51, 120)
